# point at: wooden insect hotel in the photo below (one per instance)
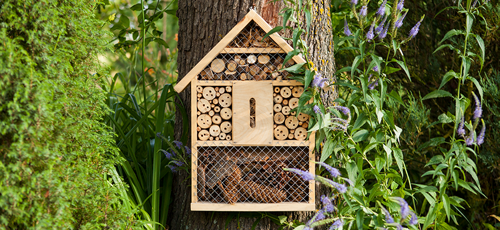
(243, 127)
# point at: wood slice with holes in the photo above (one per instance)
(226, 113)
(300, 134)
(222, 136)
(228, 137)
(292, 130)
(216, 119)
(293, 113)
(225, 100)
(203, 105)
(294, 103)
(277, 108)
(279, 118)
(303, 117)
(285, 92)
(232, 65)
(211, 113)
(203, 135)
(305, 125)
(291, 122)
(199, 89)
(226, 127)
(214, 130)
(204, 121)
(276, 89)
(222, 90)
(211, 138)
(278, 99)
(251, 59)
(215, 101)
(285, 102)
(209, 93)
(297, 91)
(217, 109)
(228, 89)
(290, 136)
(218, 65)
(254, 70)
(286, 110)
(281, 132)
(264, 59)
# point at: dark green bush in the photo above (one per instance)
(54, 147)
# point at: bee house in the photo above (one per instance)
(244, 130)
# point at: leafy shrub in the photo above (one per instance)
(54, 148)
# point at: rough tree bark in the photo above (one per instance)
(202, 24)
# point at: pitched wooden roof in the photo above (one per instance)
(251, 16)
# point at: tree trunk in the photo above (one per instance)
(202, 24)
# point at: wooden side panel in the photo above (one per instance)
(194, 152)
(312, 166)
(262, 132)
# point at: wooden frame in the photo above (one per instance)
(191, 77)
(251, 16)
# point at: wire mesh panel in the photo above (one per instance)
(249, 57)
(243, 174)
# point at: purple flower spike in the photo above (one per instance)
(167, 154)
(354, 2)
(474, 4)
(178, 144)
(380, 26)
(381, 9)
(343, 109)
(470, 139)
(399, 22)
(401, 5)
(340, 187)
(319, 81)
(405, 210)
(414, 30)
(188, 150)
(320, 215)
(478, 110)
(384, 33)
(307, 228)
(333, 171)
(327, 203)
(304, 174)
(347, 32)
(370, 35)
(388, 217)
(364, 11)
(316, 109)
(372, 85)
(375, 68)
(172, 168)
(480, 138)
(337, 224)
(461, 130)
(399, 227)
(413, 219)
(178, 163)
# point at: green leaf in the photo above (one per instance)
(398, 155)
(466, 62)
(450, 34)
(444, 46)
(395, 95)
(295, 37)
(359, 219)
(447, 77)
(469, 22)
(355, 64)
(480, 42)
(286, 16)
(308, 77)
(437, 93)
(403, 66)
(360, 135)
(297, 68)
(327, 150)
(388, 70)
(136, 7)
(360, 121)
(478, 86)
(274, 30)
(446, 204)
(290, 55)
(308, 19)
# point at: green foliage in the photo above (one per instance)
(141, 100)
(56, 154)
